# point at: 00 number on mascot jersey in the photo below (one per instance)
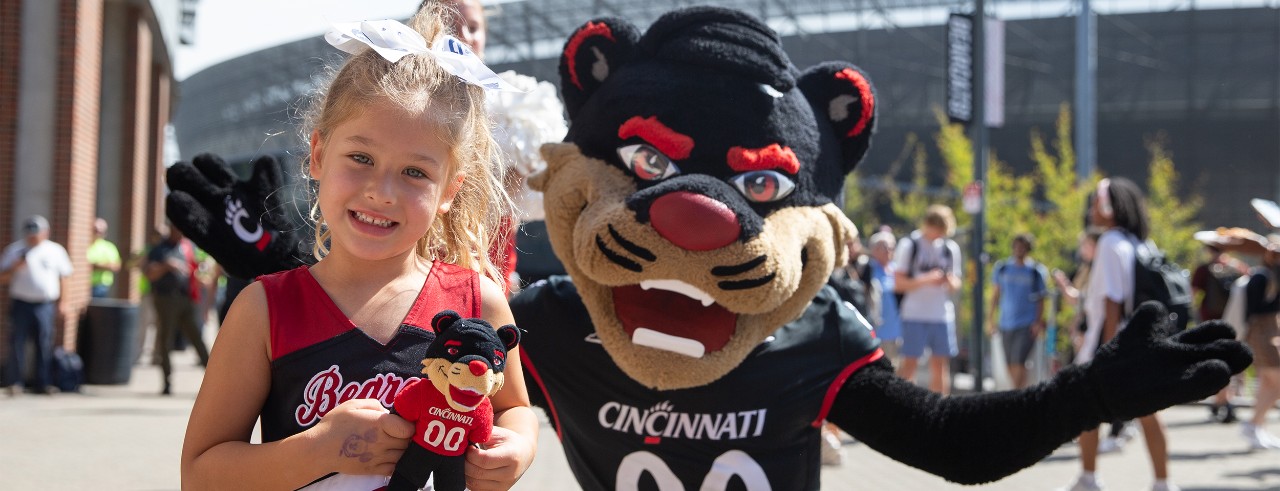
(727, 465)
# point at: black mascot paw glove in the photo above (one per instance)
(239, 223)
(1144, 369)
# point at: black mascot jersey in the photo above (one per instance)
(320, 359)
(618, 434)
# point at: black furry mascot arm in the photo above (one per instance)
(1129, 378)
(239, 222)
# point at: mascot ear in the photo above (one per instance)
(443, 320)
(593, 52)
(844, 95)
(509, 335)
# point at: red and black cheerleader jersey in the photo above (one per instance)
(758, 427)
(321, 359)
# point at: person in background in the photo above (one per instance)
(1211, 285)
(35, 268)
(522, 123)
(104, 258)
(928, 274)
(852, 283)
(1119, 208)
(1262, 314)
(889, 330)
(1020, 287)
(1073, 285)
(172, 270)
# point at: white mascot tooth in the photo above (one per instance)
(676, 344)
(680, 287)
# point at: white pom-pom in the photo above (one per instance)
(523, 122)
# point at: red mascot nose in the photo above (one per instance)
(694, 222)
(478, 367)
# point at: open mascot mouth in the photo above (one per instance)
(465, 397)
(674, 316)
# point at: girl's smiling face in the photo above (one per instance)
(383, 176)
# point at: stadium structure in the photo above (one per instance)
(1201, 76)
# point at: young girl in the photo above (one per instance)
(406, 203)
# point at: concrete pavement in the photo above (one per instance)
(128, 437)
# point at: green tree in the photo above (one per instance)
(908, 205)
(1173, 212)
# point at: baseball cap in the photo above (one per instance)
(35, 224)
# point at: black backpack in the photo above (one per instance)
(67, 370)
(1157, 278)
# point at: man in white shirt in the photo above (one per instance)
(927, 273)
(34, 268)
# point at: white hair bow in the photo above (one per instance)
(394, 40)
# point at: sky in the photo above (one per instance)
(226, 29)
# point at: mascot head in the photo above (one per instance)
(692, 200)
(467, 358)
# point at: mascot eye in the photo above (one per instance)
(763, 186)
(453, 351)
(647, 162)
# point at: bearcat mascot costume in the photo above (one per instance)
(693, 344)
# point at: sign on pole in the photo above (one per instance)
(960, 68)
(971, 200)
(993, 41)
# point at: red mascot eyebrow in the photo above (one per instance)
(453, 342)
(774, 156)
(571, 50)
(668, 141)
(864, 94)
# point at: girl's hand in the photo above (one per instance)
(502, 461)
(361, 437)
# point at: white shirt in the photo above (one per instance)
(39, 280)
(1110, 278)
(927, 303)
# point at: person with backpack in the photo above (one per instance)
(1018, 293)
(1211, 284)
(1119, 207)
(928, 274)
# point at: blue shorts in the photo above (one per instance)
(940, 337)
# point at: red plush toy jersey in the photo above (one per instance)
(440, 428)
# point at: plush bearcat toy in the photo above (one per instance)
(693, 344)
(450, 408)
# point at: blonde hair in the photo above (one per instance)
(940, 216)
(419, 86)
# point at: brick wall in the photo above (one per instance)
(10, 48)
(76, 149)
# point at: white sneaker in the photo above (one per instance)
(1085, 484)
(1109, 445)
(1258, 438)
(1130, 431)
(1165, 486)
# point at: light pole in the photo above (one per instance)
(980, 175)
